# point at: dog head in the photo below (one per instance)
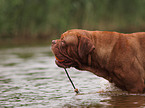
(72, 48)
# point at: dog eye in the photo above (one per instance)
(63, 43)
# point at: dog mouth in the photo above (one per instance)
(63, 63)
(59, 60)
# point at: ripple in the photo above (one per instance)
(29, 78)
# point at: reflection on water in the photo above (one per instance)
(29, 78)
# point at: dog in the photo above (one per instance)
(117, 57)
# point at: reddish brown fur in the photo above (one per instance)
(117, 57)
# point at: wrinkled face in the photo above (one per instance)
(71, 49)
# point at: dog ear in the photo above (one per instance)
(85, 46)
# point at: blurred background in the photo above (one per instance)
(40, 21)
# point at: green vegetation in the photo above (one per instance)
(31, 21)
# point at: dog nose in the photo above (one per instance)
(53, 41)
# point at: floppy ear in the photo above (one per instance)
(85, 46)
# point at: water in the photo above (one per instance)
(29, 78)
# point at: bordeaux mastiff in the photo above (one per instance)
(117, 57)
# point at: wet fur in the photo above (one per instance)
(117, 57)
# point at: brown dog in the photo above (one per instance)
(117, 57)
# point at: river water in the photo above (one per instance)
(29, 78)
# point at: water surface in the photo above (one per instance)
(29, 78)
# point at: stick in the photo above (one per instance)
(75, 89)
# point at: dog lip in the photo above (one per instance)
(59, 59)
(64, 64)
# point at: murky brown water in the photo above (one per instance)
(29, 78)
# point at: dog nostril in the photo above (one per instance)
(53, 42)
